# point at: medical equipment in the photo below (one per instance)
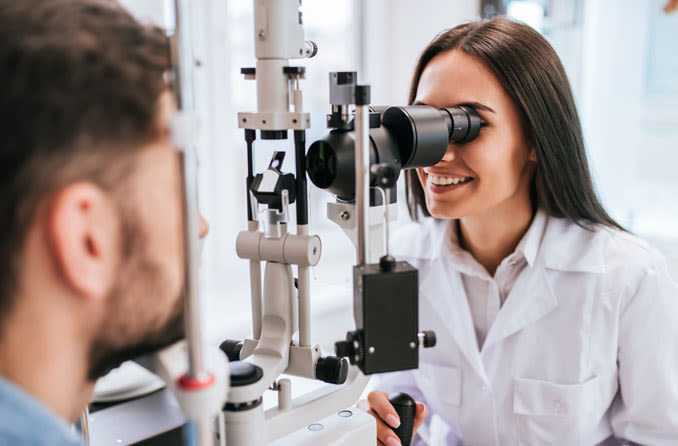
(403, 137)
(359, 162)
(385, 293)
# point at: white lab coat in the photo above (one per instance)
(585, 346)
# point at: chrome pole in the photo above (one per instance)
(362, 172)
(183, 129)
(84, 425)
(182, 62)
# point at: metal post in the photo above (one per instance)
(362, 171)
(183, 129)
(185, 102)
(255, 288)
(304, 290)
(84, 425)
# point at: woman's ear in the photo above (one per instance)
(533, 155)
(83, 232)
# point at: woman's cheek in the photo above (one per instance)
(421, 176)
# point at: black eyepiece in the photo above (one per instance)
(463, 124)
(409, 137)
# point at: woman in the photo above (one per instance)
(554, 325)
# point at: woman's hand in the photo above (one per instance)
(380, 408)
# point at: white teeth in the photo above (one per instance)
(444, 181)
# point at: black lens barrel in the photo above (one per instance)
(420, 132)
(409, 137)
(463, 123)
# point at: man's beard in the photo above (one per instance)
(136, 322)
(106, 354)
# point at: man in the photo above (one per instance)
(91, 261)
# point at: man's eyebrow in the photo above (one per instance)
(476, 105)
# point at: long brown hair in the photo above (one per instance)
(531, 73)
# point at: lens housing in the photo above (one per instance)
(409, 137)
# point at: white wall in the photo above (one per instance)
(395, 33)
(632, 137)
(156, 11)
(610, 106)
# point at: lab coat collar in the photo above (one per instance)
(563, 246)
(527, 248)
(531, 298)
(557, 243)
(569, 247)
(450, 300)
(531, 242)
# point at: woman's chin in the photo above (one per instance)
(444, 211)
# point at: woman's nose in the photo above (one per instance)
(449, 153)
(204, 227)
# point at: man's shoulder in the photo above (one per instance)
(25, 421)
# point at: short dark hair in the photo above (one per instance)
(80, 82)
(531, 73)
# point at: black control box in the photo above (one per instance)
(387, 319)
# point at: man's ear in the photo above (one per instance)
(83, 231)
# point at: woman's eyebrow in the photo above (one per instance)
(476, 105)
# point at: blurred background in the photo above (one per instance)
(620, 55)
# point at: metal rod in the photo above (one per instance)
(250, 136)
(304, 284)
(385, 200)
(255, 288)
(362, 177)
(300, 159)
(253, 225)
(284, 394)
(302, 229)
(84, 425)
(191, 253)
(184, 67)
(222, 429)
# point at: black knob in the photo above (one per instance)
(384, 175)
(331, 369)
(387, 263)
(352, 347)
(362, 94)
(429, 338)
(314, 47)
(343, 348)
(406, 408)
(232, 349)
(244, 373)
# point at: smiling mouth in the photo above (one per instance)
(441, 184)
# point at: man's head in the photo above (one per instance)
(90, 224)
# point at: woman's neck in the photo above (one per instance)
(493, 235)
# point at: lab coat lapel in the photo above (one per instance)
(457, 314)
(531, 299)
(565, 247)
